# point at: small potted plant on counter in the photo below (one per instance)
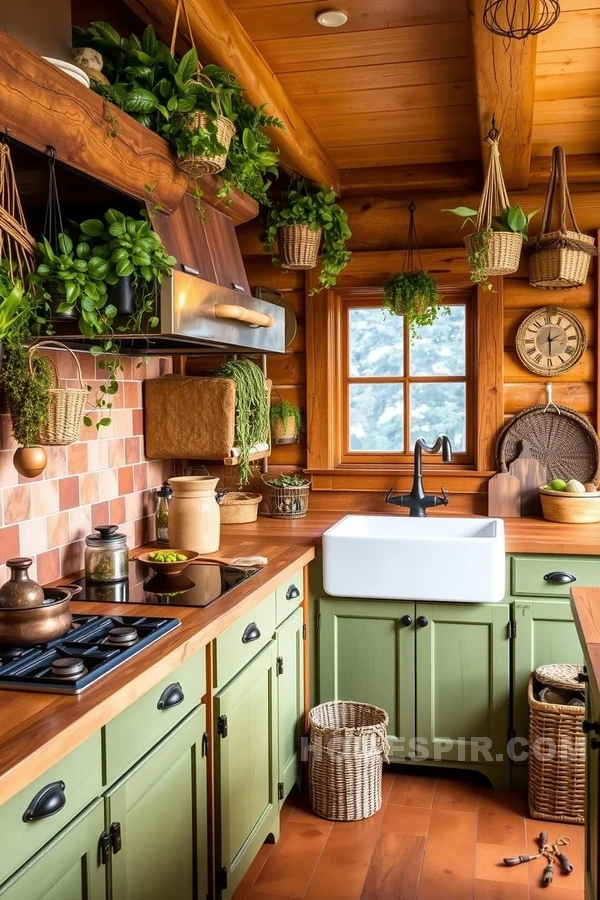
(300, 222)
(286, 422)
(287, 495)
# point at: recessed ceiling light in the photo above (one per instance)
(332, 18)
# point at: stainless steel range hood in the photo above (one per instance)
(197, 316)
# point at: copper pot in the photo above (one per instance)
(30, 461)
(20, 590)
(25, 626)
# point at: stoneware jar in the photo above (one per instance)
(194, 517)
(20, 590)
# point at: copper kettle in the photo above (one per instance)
(20, 591)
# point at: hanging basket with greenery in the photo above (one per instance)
(286, 422)
(251, 410)
(412, 293)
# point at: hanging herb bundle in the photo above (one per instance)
(413, 293)
(251, 410)
(26, 392)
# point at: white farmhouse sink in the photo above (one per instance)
(403, 558)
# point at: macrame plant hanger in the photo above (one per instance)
(412, 246)
(17, 246)
(494, 196)
(53, 223)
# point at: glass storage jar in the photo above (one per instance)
(106, 555)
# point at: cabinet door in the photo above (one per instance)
(463, 686)
(290, 701)
(68, 868)
(592, 803)
(246, 767)
(544, 633)
(161, 807)
(367, 654)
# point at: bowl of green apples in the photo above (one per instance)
(570, 501)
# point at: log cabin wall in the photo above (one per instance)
(380, 223)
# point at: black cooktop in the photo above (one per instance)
(198, 585)
(94, 646)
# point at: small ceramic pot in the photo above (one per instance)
(20, 591)
(30, 461)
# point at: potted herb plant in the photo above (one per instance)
(300, 222)
(287, 495)
(286, 422)
(415, 296)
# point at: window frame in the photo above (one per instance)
(353, 300)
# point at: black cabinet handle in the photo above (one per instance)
(47, 802)
(406, 620)
(595, 743)
(292, 592)
(422, 621)
(171, 696)
(588, 727)
(559, 578)
(583, 677)
(251, 633)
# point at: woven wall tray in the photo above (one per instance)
(564, 443)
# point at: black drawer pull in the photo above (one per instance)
(251, 633)
(559, 578)
(171, 696)
(292, 592)
(47, 802)
(422, 621)
(583, 677)
(406, 621)
(590, 727)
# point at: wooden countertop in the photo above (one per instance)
(585, 603)
(37, 729)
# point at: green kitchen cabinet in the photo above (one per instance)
(68, 867)
(290, 701)
(367, 654)
(544, 632)
(246, 767)
(463, 680)
(158, 814)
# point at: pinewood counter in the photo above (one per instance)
(585, 603)
(37, 730)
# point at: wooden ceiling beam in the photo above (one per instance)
(581, 169)
(391, 180)
(220, 39)
(504, 81)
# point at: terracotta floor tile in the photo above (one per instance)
(412, 790)
(406, 820)
(447, 886)
(489, 865)
(288, 871)
(265, 897)
(558, 893)
(247, 883)
(344, 863)
(500, 818)
(450, 849)
(395, 867)
(387, 782)
(451, 794)
(495, 890)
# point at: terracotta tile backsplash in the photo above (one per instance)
(102, 478)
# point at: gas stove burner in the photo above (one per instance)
(122, 636)
(9, 653)
(68, 668)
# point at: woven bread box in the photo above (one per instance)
(190, 418)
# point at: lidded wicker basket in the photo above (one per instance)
(348, 745)
(65, 405)
(299, 246)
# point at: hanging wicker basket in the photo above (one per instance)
(559, 259)
(284, 431)
(501, 255)
(65, 405)
(299, 246)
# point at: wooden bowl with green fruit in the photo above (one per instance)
(570, 502)
(168, 561)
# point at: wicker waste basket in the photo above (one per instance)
(556, 778)
(348, 744)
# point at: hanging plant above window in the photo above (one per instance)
(413, 293)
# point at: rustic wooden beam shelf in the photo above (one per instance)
(42, 106)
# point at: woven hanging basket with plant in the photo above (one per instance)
(500, 229)
(286, 422)
(203, 143)
(413, 293)
(559, 259)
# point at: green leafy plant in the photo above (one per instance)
(282, 411)
(318, 210)
(415, 296)
(15, 306)
(511, 218)
(75, 273)
(284, 481)
(251, 410)
(26, 392)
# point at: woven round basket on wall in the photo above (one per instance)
(299, 246)
(503, 254)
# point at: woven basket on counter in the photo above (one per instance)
(299, 246)
(65, 405)
(287, 502)
(348, 745)
(239, 508)
(556, 778)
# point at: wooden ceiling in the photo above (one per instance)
(409, 82)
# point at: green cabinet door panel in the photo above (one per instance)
(367, 654)
(527, 578)
(545, 633)
(232, 650)
(290, 700)
(161, 806)
(463, 680)
(246, 766)
(289, 596)
(68, 868)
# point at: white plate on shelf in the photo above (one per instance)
(70, 69)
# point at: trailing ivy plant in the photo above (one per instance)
(415, 296)
(318, 210)
(251, 410)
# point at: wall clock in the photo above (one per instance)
(550, 340)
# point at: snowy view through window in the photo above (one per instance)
(377, 413)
